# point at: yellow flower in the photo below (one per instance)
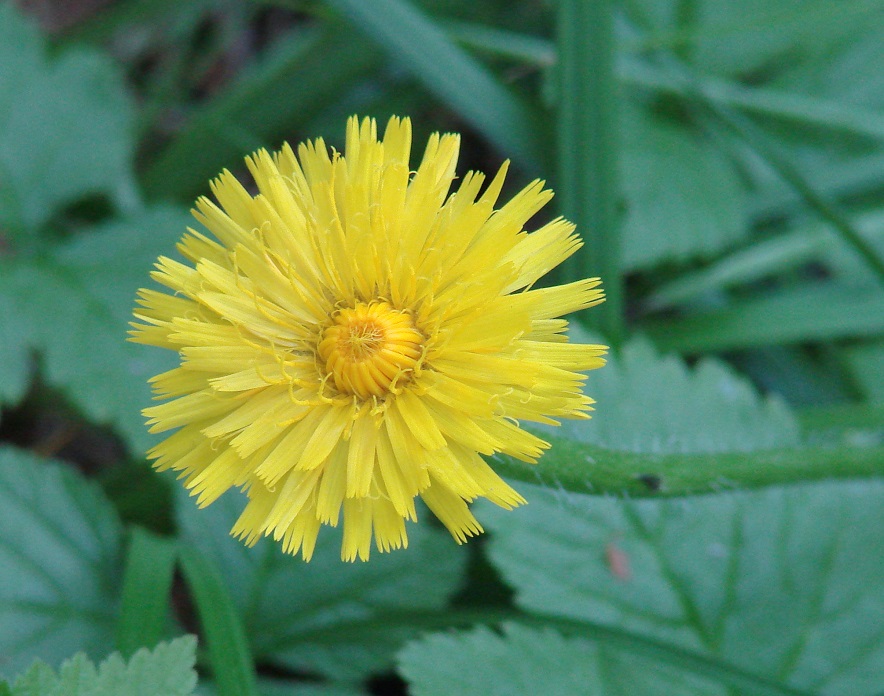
(357, 337)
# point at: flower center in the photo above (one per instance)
(369, 348)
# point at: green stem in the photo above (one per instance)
(147, 581)
(224, 633)
(587, 151)
(583, 468)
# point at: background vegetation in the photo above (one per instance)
(724, 162)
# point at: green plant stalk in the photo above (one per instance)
(223, 631)
(583, 468)
(587, 151)
(147, 581)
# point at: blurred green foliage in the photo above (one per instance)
(742, 245)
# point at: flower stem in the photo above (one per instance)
(587, 151)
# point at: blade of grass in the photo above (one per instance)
(229, 653)
(147, 581)
(822, 312)
(762, 259)
(781, 163)
(588, 132)
(763, 101)
(287, 88)
(460, 81)
(778, 160)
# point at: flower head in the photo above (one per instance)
(354, 336)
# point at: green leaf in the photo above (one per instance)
(307, 616)
(534, 661)
(167, 670)
(684, 198)
(780, 583)
(651, 404)
(79, 302)
(60, 557)
(66, 124)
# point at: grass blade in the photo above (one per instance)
(288, 87)
(819, 313)
(454, 76)
(224, 633)
(147, 581)
(588, 132)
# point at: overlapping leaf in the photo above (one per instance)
(66, 124)
(532, 661)
(782, 583)
(60, 544)
(167, 670)
(324, 616)
(73, 308)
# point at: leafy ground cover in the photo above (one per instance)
(716, 528)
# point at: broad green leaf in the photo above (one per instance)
(66, 124)
(308, 616)
(783, 583)
(73, 307)
(60, 558)
(684, 199)
(652, 404)
(532, 661)
(167, 670)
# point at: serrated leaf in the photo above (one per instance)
(73, 307)
(531, 661)
(66, 124)
(167, 670)
(653, 404)
(308, 616)
(60, 558)
(781, 583)
(684, 199)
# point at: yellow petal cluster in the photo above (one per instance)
(356, 335)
